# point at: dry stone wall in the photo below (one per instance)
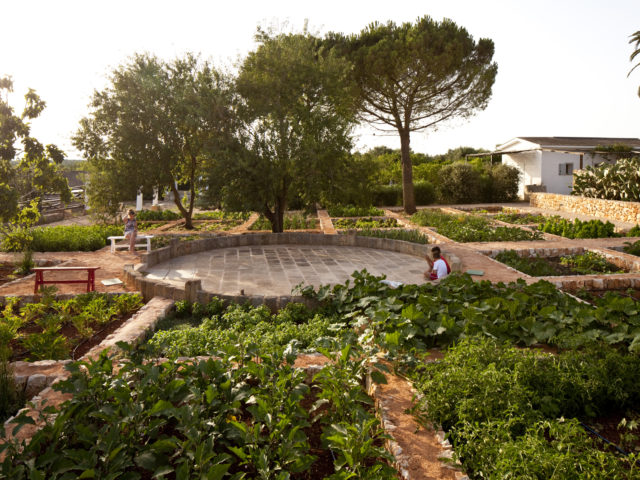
(612, 209)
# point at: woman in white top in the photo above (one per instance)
(438, 268)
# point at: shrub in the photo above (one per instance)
(67, 238)
(425, 193)
(632, 248)
(459, 183)
(502, 183)
(158, 215)
(387, 195)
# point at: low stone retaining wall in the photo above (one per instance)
(612, 209)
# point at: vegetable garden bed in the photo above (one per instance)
(292, 221)
(365, 223)
(59, 329)
(587, 263)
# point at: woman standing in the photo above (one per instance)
(131, 229)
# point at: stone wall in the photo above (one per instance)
(611, 209)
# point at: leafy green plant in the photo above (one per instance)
(11, 399)
(617, 181)
(634, 232)
(632, 248)
(222, 215)
(67, 238)
(157, 215)
(291, 222)
(413, 236)
(470, 228)
(557, 225)
(534, 266)
(26, 264)
(588, 263)
(365, 223)
(520, 218)
(353, 211)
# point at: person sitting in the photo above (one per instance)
(131, 229)
(438, 267)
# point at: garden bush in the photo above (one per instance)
(387, 195)
(155, 215)
(459, 183)
(425, 192)
(71, 238)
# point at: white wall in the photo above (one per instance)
(555, 183)
(529, 165)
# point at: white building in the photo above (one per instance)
(547, 163)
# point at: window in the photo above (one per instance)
(565, 169)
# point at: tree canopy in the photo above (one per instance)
(635, 39)
(156, 125)
(296, 126)
(28, 169)
(413, 76)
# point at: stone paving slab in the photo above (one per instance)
(276, 269)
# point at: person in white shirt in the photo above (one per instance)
(438, 267)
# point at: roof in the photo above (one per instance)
(581, 142)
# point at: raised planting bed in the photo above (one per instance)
(469, 228)
(482, 210)
(236, 416)
(517, 218)
(584, 263)
(577, 228)
(338, 211)
(207, 226)
(197, 329)
(62, 238)
(293, 221)
(413, 236)
(220, 215)
(365, 223)
(59, 329)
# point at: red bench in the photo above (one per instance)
(90, 281)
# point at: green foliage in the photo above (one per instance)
(632, 248)
(237, 416)
(416, 317)
(240, 326)
(353, 211)
(617, 181)
(412, 236)
(365, 223)
(520, 218)
(387, 195)
(534, 266)
(24, 266)
(222, 215)
(470, 228)
(634, 232)
(156, 124)
(459, 183)
(157, 215)
(69, 238)
(28, 169)
(296, 132)
(589, 263)
(577, 228)
(291, 222)
(522, 432)
(413, 76)
(11, 399)
(45, 320)
(425, 192)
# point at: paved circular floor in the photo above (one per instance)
(276, 269)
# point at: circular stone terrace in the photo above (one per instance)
(273, 264)
(277, 269)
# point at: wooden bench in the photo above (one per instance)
(90, 281)
(114, 246)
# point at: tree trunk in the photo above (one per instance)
(185, 213)
(276, 217)
(408, 198)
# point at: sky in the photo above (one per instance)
(562, 64)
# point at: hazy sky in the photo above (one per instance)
(562, 65)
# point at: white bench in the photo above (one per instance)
(114, 246)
